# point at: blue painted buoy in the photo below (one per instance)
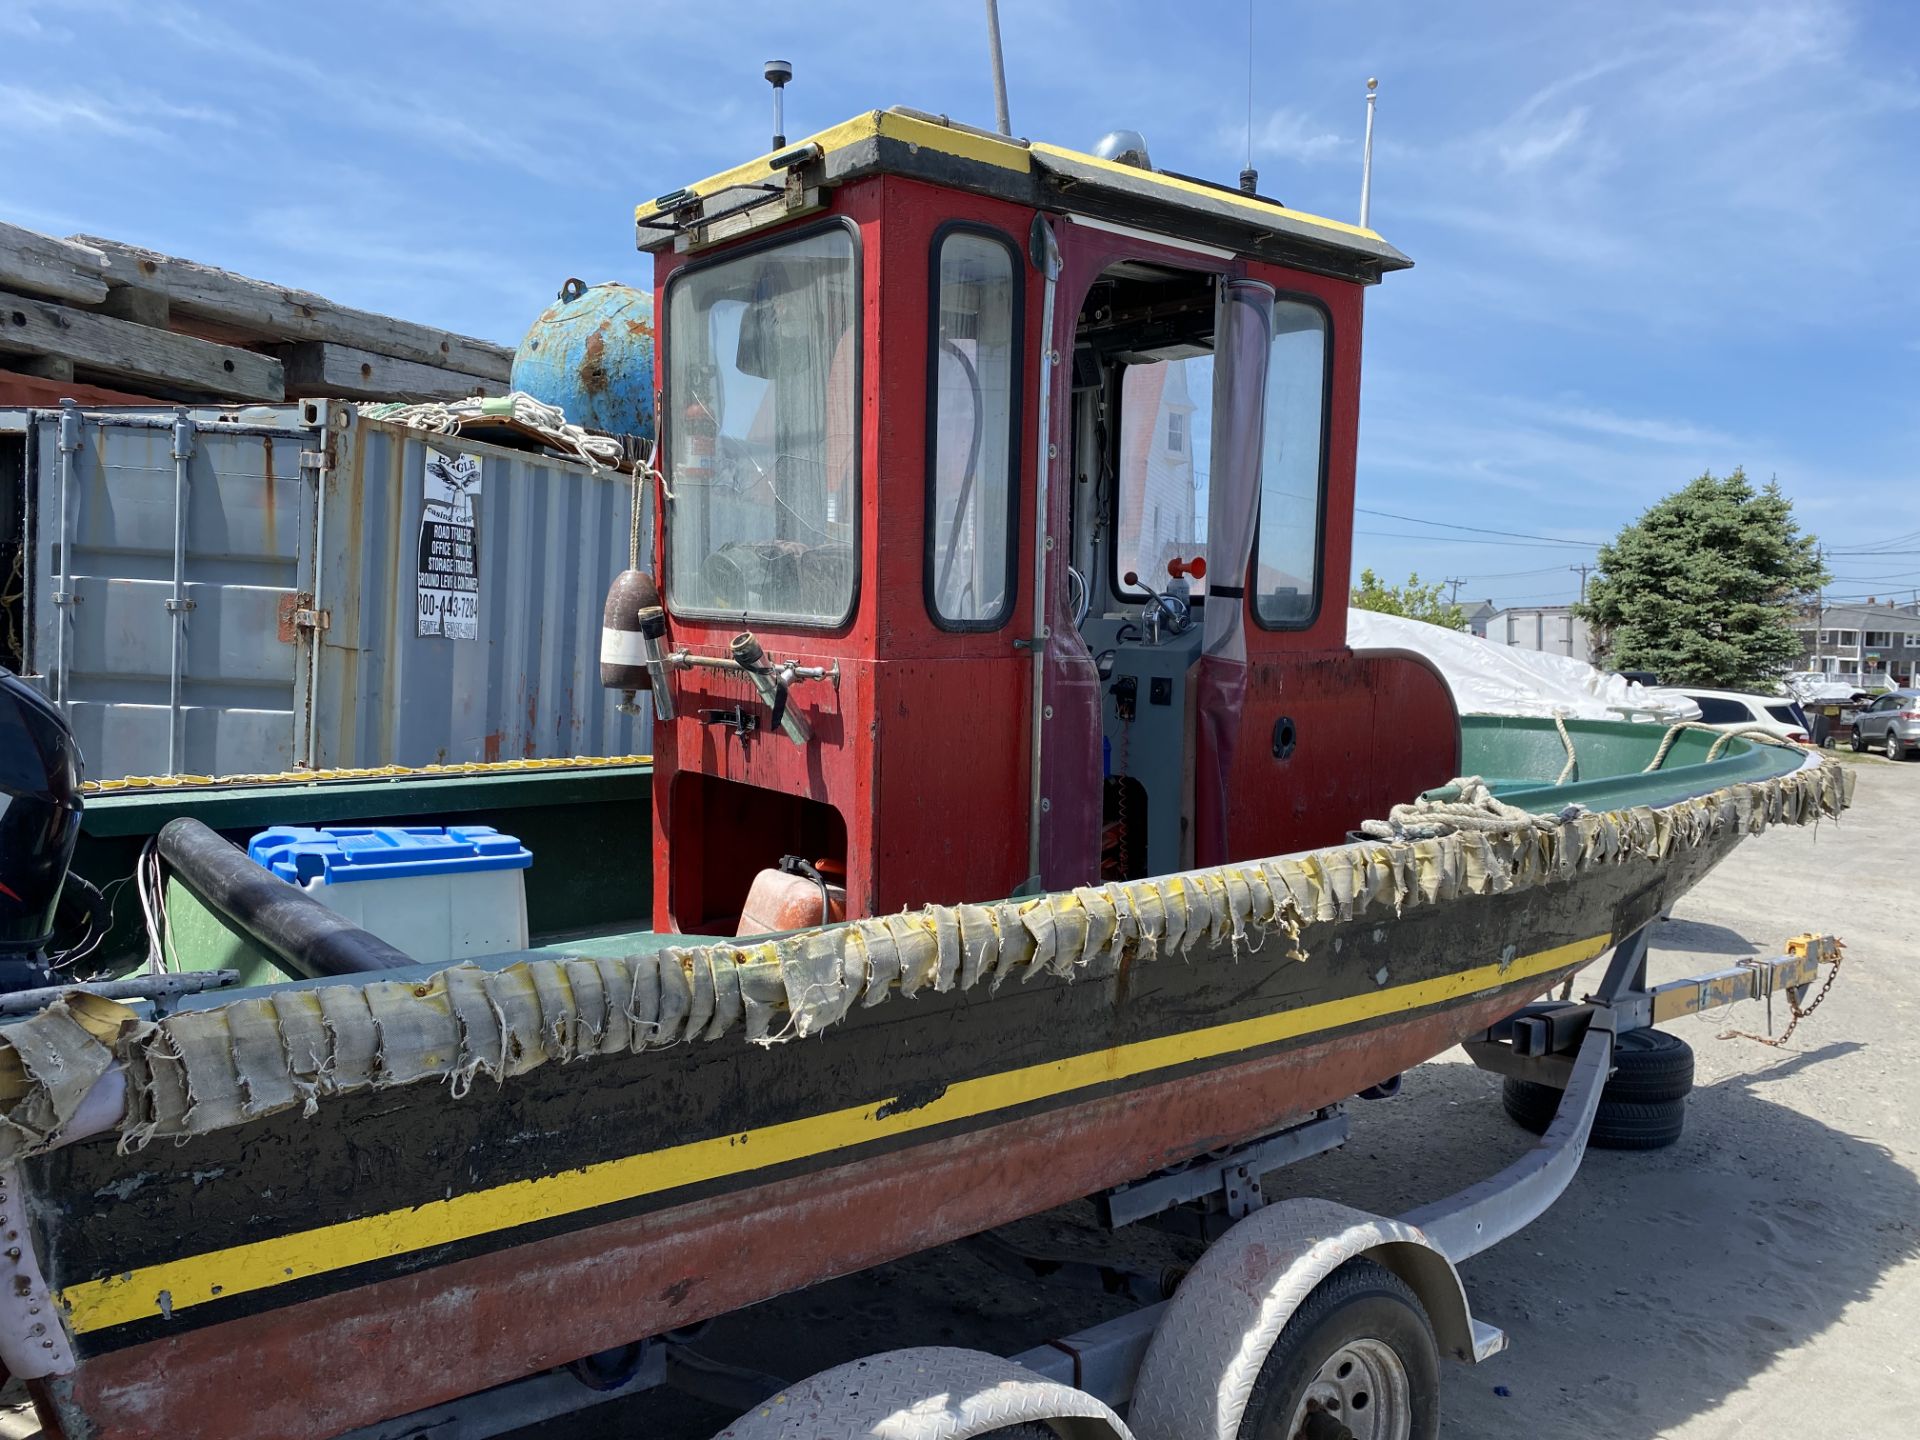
(591, 353)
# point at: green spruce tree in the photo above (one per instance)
(1706, 587)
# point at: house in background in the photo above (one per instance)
(1161, 497)
(1477, 616)
(1863, 645)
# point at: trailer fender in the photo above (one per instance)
(929, 1393)
(1209, 1346)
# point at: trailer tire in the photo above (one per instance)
(1617, 1124)
(1362, 1341)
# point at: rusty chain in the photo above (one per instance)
(1799, 1013)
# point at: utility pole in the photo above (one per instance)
(1454, 598)
(1583, 569)
(1820, 616)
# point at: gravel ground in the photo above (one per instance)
(1762, 1277)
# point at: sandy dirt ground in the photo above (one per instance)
(1760, 1279)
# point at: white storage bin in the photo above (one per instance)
(438, 894)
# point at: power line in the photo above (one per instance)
(1517, 574)
(1462, 540)
(1874, 547)
(1553, 597)
(1478, 529)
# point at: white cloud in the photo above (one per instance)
(1537, 146)
(118, 114)
(1653, 430)
(1287, 134)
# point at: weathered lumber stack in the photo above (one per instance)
(104, 322)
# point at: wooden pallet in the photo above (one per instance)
(97, 313)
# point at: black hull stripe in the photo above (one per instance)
(174, 1285)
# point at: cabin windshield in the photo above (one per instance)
(763, 382)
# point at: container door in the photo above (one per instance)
(167, 559)
(462, 584)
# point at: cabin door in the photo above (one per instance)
(1158, 427)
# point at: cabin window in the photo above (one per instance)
(1293, 469)
(763, 354)
(1161, 499)
(973, 430)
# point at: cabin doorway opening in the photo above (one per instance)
(1142, 425)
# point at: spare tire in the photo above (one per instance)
(1617, 1124)
(1649, 1067)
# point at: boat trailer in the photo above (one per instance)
(1185, 1362)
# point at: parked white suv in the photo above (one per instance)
(1731, 710)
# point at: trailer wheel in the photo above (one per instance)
(1357, 1359)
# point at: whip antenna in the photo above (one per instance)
(1366, 156)
(999, 69)
(1249, 177)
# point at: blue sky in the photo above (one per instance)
(1652, 238)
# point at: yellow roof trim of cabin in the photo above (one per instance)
(888, 140)
(1253, 205)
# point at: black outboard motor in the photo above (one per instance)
(39, 826)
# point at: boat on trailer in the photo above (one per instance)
(1077, 865)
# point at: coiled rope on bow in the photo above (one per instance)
(1464, 804)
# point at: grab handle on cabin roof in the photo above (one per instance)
(297, 930)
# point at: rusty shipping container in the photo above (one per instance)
(222, 592)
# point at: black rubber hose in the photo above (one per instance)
(289, 924)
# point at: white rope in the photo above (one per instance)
(1560, 724)
(446, 417)
(1463, 804)
(1721, 737)
(1468, 803)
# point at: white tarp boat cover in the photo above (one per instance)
(1493, 679)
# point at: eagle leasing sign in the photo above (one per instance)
(449, 560)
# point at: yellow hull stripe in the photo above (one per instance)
(177, 1285)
